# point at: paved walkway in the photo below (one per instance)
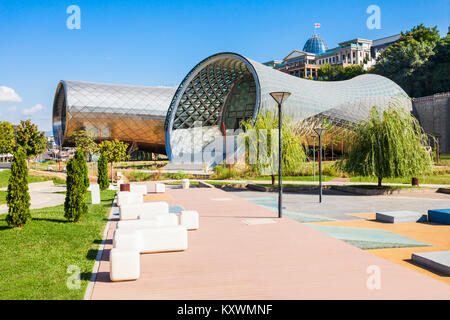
(42, 195)
(229, 259)
(338, 205)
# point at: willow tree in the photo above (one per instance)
(389, 144)
(262, 145)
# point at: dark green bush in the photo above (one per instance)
(17, 198)
(74, 205)
(102, 177)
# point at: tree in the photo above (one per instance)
(407, 62)
(293, 153)
(339, 73)
(387, 145)
(84, 169)
(7, 139)
(102, 178)
(74, 204)
(114, 151)
(17, 198)
(31, 139)
(85, 141)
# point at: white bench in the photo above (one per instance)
(125, 197)
(155, 221)
(160, 187)
(124, 264)
(150, 240)
(189, 219)
(138, 188)
(144, 210)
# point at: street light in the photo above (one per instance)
(280, 97)
(314, 157)
(320, 132)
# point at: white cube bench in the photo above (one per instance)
(125, 197)
(124, 264)
(138, 188)
(155, 221)
(151, 240)
(189, 219)
(144, 210)
(160, 187)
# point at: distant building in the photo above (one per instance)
(315, 53)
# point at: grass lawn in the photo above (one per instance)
(371, 186)
(2, 197)
(34, 259)
(4, 177)
(435, 179)
(295, 178)
(444, 159)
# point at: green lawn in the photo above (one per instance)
(444, 159)
(4, 177)
(295, 178)
(2, 197)
(434, 179)
(34, 259)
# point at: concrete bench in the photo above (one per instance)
(155, 221)
(400, 216)
(144, 210)
(138, 188)
(160, 187)
(189, 219)
(441, 216)
(437, 260)
(124, 264)
(151, 240)
(125, 197)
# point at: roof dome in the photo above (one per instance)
(315, 45)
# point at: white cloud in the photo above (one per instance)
(33, 110)
(8, 94)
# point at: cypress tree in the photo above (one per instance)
(79, 155)
(102, 177)
(74, 205)
(17, 198)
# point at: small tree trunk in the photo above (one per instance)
(112, 173)
(379, 181)
(273, 180)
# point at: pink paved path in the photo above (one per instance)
(228, 259)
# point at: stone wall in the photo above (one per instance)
(433, 113)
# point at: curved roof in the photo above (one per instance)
(129, 113)
(315, 45)
(204, 92)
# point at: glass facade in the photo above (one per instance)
(221, 90)
(129, 113)
(315, 45)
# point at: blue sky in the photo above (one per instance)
(158, 42)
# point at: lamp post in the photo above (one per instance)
(314, 157)
(280, 97)
(320, 132)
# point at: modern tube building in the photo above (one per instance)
(219, 92)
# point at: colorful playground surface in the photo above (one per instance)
(395, 242)
(229, 258)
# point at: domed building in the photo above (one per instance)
(315, 45)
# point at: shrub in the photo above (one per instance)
(74, 205)
(83, 166)
(17, 198)
(102, 177)
(138, 176)
(177, 176)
